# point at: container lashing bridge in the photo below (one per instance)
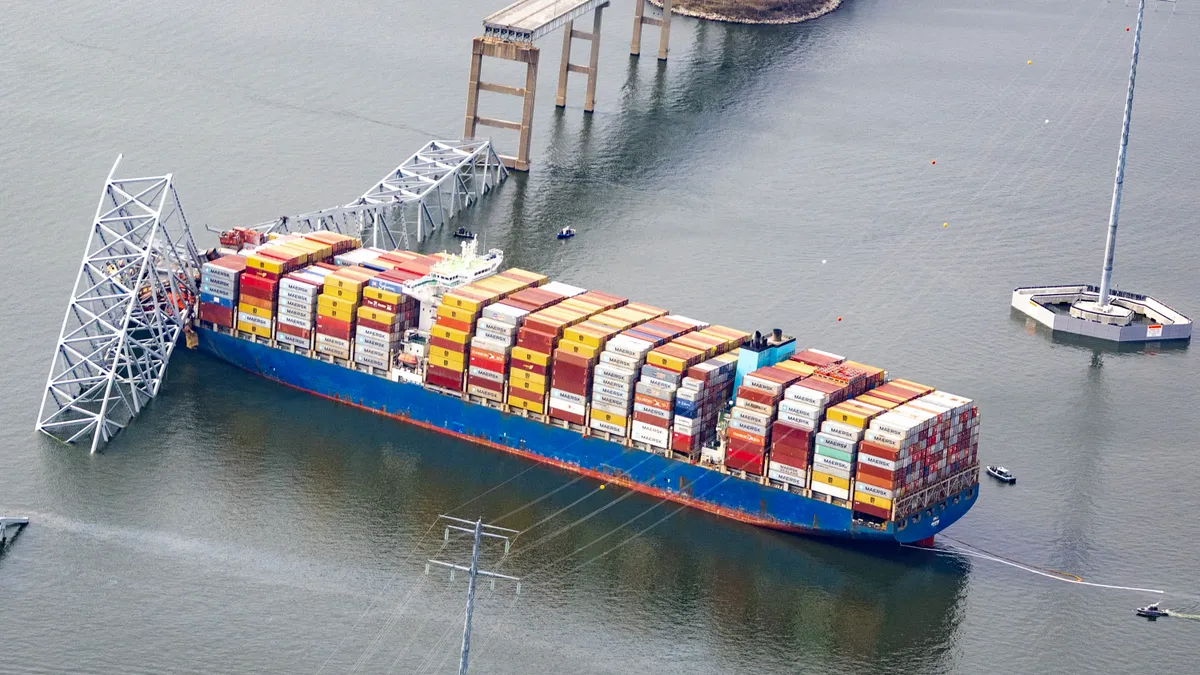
(135, 293)
(509, 34)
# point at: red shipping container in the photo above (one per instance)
(681, 442)
(527, 395)
(382, 327)
(747, 438)
(758, 395)
(572, 386)
(445, 344)
(292, 330)
(872, 510)
(543, 343)
(490, 385)
(885, 483)
(260, 283)
(267, 296)
(572, 370)
(745, 461)
(573, 360)
(798, 462)
(651, 401)
(486, 363)
(333, 324)
(444, 382)
(878, 450)
(738, 445)
(213, 313)
(560, 414)
(380, 305)
(462, 326)
(651, 420)
(531, 367)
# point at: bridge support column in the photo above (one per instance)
(664, 24)
(566, 67)
(509, 51)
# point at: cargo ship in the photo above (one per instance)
(742, 425)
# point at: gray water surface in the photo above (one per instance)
(775, 176)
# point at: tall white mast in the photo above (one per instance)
(1111, 244)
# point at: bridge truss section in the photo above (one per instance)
(130, 304)
(416, 198)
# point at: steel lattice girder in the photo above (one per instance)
(425, 191)
(131, 301)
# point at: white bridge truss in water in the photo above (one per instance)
(416, 198)
(132, 299)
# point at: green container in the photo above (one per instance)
(834, 453)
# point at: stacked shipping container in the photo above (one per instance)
(219, 284)
(699, 401)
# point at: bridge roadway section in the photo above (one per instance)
(510, 34)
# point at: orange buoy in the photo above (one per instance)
(1126, 29)
(839, 318)
(934, 162)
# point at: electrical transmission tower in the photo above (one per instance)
(478, 530)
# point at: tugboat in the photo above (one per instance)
(1001, 474)
(463, 233)
(1151, 612)
(566, 233)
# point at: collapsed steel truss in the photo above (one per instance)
(417, 197)
(131, 300)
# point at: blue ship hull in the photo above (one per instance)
(663, 477)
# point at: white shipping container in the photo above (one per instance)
(743, 425)
(836, 442)
(880, 462)
(568, 396)
(379, 336)
(799, 409)
(648, 433)
(755, 418)
(618, 385)
(492, 346)
(367, 346)
(295, 341)
(754, 406)
(652, 411)
(605, 426)
(496, 326)
(685, 424)
(485, 374)
(801, 422)
(810, 397)
(289, 320)
(762, 384)
(505, 314)
(261, 321)
(620, 360)
(565, 290)
(826, 489)
(614, 392)
(369, 360)
(567, 406)
(600, 406)
(615, 372)
(330, 341)
(493, 336)
(847, 431)
(884, 439)
(787, 476)
(658, 383)
(629, 346)
(621, 402)
(484, 392)
(868, 489)
(832, 466)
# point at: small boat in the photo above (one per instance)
(463, 233)
(1151, 612)
(1001, 474)
(566, 233)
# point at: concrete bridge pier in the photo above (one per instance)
(520, 52)
(566, 67)
(640, 19)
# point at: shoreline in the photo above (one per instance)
(825, 8)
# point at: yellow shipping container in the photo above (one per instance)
(457, 313)
(347, 280)
(335, 303)
(531, 406)
(339, 314)
(876, 401)
(260, 331)
(536, 386)
(376, 315)
(578, 348)
(458, 336)
(608, 417)
(521, 375)
(835, 481)
(865, 498)
(530, 356)
(447, 363)
(589, 333)
(445, 354)
(382, 295)
(260, 262)
(858, 415)
(256, 311)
